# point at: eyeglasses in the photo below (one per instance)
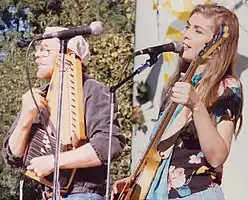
(43, 50)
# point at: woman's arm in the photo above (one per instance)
(215, 141)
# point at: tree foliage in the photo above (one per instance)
(109, 53)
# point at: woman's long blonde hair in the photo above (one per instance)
(223, 61)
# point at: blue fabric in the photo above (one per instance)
(214, 193)
(83, 196)
(159, 187)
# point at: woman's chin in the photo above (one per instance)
(187, 58)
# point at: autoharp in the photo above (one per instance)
(72, 132)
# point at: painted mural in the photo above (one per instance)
(160, 22)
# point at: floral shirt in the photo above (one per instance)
(189, 171)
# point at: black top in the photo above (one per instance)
(189, 171)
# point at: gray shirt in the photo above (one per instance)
(97, 120)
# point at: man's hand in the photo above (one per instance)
(42, 166)
(28, 106)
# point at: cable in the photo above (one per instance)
(43, 121)
(125, 68)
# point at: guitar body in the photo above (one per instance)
(143, 184)
(140, 187)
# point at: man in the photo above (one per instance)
(89, 159)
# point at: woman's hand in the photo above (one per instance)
(185, 94)
(119, 185)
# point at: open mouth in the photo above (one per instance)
(185, 46)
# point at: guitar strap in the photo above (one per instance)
(159, 187)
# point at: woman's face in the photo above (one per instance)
(197, 33)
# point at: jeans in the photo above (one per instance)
(83, 196)
(214, 193)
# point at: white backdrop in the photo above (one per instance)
(161, 21)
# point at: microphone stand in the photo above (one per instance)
(56, 185)
(149, 62)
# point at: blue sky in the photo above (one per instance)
(23, 24)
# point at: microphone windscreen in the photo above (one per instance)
(178, 46)
(96, 27)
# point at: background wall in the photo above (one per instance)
(162, 21)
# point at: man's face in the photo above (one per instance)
(45, 56)
(197, 33)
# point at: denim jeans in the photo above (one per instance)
(214, 193)
(82, 196)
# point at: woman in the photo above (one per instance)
(212, 106)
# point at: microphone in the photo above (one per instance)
(175, 46)
(95, 28)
